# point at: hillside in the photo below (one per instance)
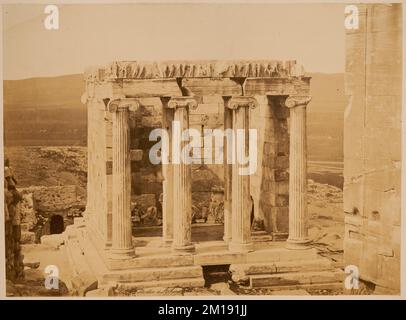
(48, 112)
(55, 92)
(44, 111)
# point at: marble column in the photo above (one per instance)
(182, 176)
(167, 172)
(89, 217)
(122, 247)
(298, 227)
(241, 201)
(228, 171)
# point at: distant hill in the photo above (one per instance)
(48, 112)
(55, 92)
(45, 111)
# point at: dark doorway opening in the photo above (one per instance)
(216, 273)
(56, 224)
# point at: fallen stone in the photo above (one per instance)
(52, 240)
(79, 221)
(223, 288)
(27, 210)
(219, 286)
(34, 275)
(83, 283)
(31, 264)
(27, 237)
(240, 278)
(100, 292)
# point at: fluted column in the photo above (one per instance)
(90, 171)
(298, 226)
(122, 247)
(241, 201)
(228, 172)
(167, 172)
(182, 177)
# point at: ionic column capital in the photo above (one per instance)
(296, 101)
(123, 104)
(240, 102)
(179, 102)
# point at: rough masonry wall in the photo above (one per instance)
(372, 145)
(40, 204)
(270, 183)
(14, 257)
(12, 231)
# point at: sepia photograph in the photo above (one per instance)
(208, 150)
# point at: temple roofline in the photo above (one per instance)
(195, 69)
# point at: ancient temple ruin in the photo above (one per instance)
(270, 96)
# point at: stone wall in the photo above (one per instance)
(12, 229)
(270, 183)
(372, 145)
(14, 257)
(40, 204)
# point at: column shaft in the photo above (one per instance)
(241, 201)
(298, 229)
(122, 246)
(228, 171)
(89, 205)
(167, 172)
(182, 176)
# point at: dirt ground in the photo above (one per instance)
(36, 258)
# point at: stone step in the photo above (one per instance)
(169, 271)
(296, 278)
(261, 238)
(172, 283)
(319, 264)
(158, 261)
(153, 274)
(281, 254)
(315, 286)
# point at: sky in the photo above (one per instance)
(89, 35)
